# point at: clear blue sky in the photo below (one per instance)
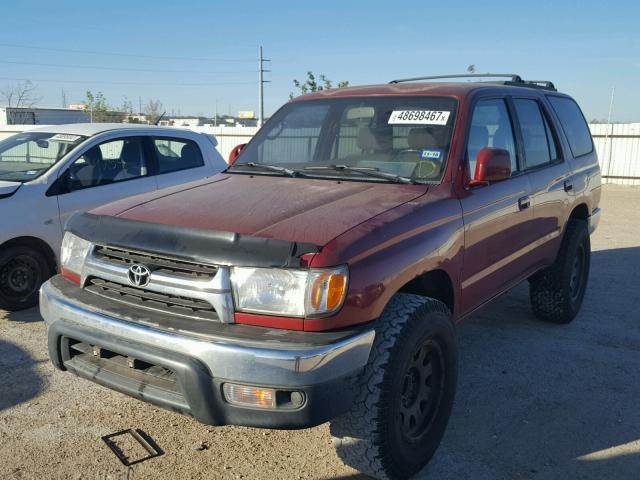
(189, 54)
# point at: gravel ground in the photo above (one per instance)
(534, 400)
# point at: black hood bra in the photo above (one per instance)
(191, 244)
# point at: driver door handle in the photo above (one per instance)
(568, 185)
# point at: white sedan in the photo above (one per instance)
(47, 174)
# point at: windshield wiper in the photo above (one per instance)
(368, 171)
(272, 168)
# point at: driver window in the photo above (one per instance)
(294, 139)
(490, 127)
(109, 162)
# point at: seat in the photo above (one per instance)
(422, 139)
(131, 161)
(89, 173)
(375, 140)
(190, 156)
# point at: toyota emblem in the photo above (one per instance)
(139, 275)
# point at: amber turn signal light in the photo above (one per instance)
(328, 290)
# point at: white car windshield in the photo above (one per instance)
(28, 155)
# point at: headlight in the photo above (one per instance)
(73, 252)
(295, 293)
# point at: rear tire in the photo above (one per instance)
(22, 272)
(557, 292)
(404, 396)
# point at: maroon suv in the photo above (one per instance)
(320, 277)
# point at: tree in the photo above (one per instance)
(20, 95)
(127, 111)
(153, 110)
(99, 109)
(313, 85)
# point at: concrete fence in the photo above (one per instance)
(618, 146)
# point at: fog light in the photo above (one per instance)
(249, 396)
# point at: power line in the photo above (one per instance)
(120, 54)
(122, 69)
(104, 82)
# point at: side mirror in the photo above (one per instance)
(235, 152)
(492, 165)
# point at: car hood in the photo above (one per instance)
(8, 188)
(294, 209)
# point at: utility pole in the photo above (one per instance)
(261, 82)
(64, 99)
(215, 119)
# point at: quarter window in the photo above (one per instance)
(539, 147)
(177, 154)
(574, 125)
(490, 127)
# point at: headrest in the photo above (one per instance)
(188, 151)
(421, 138)
(379, 139)
(130, 152)
(93, 156)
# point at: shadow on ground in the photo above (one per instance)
(544, 401)
(23, 316)
(19, 382)
(533, 398)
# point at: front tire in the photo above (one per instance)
(557, 292)
(405, 394)
(22, 272)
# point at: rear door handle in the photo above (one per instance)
(524, 202)
(568, 185)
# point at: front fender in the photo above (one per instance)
(388, 251)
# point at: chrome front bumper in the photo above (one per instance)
(244, 361)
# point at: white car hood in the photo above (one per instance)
(8, 188)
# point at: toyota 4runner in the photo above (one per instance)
(320, 277)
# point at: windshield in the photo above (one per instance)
(28, 155)
(373, 138)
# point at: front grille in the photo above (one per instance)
(169, 266)
(139, 297)
(153, 383)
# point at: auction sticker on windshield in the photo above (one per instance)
(419, 117)
(64, 137)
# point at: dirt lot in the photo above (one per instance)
(534, 400)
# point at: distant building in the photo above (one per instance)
(41, 116)
(182, 122)
(135, 118)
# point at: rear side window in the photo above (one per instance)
(175, 154)
(573, 124)
(539, 147)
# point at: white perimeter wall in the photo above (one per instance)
(618, 146)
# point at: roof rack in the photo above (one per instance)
(514, 79)
(541, 84)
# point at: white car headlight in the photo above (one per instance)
(289, 292)
(73, 253)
